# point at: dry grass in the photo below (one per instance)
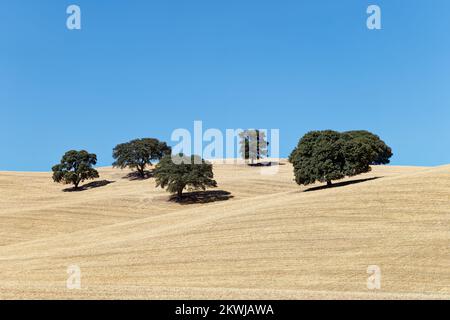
(270, 240)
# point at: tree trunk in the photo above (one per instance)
(329, 184)
(179, 194)
(141, 171)
(257, 145)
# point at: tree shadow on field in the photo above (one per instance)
(133, 176)
(202, 197)
(341, 184)
(90, 185)
(266, 164)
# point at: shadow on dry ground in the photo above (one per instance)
(266, 164)
(202, 197)
(88, 186)
(341, 184)
(132, 176)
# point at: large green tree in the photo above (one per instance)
(139, 153)
(253, 145)
(191, 172)
(329, 155)
(75, 167)
(380, 152)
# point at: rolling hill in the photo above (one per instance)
(256, 237)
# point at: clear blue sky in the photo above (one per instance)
(144, 68)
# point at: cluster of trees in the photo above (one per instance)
(194, 173)
(330, 155)
(77, 166)
(322, 156)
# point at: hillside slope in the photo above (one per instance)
(270, 240)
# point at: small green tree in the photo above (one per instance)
(139, 153)
(191, 172)
(329, 155)
(75, 167)
(253, 145)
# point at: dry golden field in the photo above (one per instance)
(269, 240)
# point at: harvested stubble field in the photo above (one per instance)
(267, 239)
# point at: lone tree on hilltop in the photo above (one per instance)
(75, 167)
(253, 145)
(191, 172)
(139, 153)
(329, 155)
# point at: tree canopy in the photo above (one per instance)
(139, 153)
(75, 167)
(191, 172)
(381, 153)
(329, 155)
(253, 145)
